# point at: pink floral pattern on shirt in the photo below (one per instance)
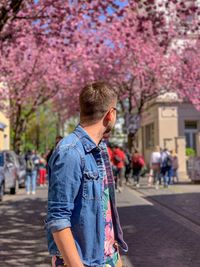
(110, 252)
(57, 262)
(109, 248)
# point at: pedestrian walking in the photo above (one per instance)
(114, 168)
(166, 167)
(82, 222)
(42, 171)
(155, 167)
(170, 168)
(30, 174)
(128, 166)
(119, 159)
(110, 153)
(36, 160)
(175, 166)
(137, 165)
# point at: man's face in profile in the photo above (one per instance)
(111, 123)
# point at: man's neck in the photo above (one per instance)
(95, 132)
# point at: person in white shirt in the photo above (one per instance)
(155, 163)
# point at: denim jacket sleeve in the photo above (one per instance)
(64, 182)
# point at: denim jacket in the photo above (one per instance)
(75, 197)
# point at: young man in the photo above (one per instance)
(82, 222)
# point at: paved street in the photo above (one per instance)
(157, 236)
(22, 239)
(161, 227)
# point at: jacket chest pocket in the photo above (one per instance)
(91, 186)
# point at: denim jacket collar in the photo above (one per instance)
(86, 140)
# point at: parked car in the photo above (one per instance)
(9, 171)
(20, 165)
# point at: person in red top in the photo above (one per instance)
(137, 165)
(110, 153)
(42, 171)
(119, 159)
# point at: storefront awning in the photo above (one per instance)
(2, 126)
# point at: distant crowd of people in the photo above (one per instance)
(127, 167)
(35, 171)
(163, 167)
(36, 168)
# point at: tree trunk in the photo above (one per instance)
(37, 136)
(18, 129)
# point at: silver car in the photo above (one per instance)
(8, 171)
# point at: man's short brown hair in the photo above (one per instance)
(95, 99)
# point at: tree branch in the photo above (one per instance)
(15, 7)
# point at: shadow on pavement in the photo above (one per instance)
(22, 236)
(155, 240)
(185, 204)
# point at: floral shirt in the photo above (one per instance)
(110, 251)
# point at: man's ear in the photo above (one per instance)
(108, 116)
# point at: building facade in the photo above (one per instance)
(169, 123)
(4, 132)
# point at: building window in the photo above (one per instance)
(149, 135)
(190, 134)
(191, 125)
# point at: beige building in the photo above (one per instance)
(169, 123)
(4, 132)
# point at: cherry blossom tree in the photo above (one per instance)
(132, 61)
(52, 18)
(42, 43)
(186, 79)
(27, 74)
(50, 49)
(139, 59)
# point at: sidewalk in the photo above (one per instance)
(183, 198)
(156, 236)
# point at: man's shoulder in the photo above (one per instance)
(70, 144)
(70, 141)
(69, 148)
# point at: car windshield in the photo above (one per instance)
(1, 160)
